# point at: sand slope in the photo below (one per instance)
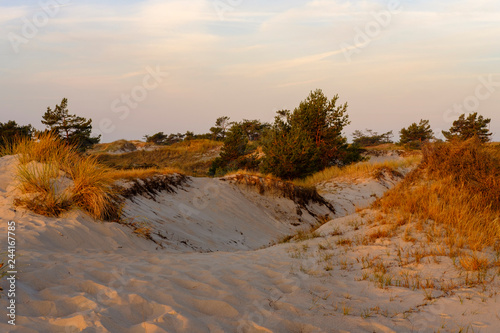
(78, 275)
(206, 215)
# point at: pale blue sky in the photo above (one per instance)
(247, 59)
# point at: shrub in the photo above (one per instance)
(3, 270)
(235, 154)
(289, 152)
(468, 163)
(10, 131)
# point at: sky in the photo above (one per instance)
(140, 67)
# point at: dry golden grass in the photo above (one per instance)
(251, 173)
(131, 174)
(379, 233)
(192, 157)
(45, 167)
(474, 262)
(358, 170)
(45, 197)
(92, 188)
(115, 146)
(457, 185)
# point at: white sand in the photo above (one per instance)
(77, 275)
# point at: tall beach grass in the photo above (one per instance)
(54, 177)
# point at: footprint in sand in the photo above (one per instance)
(215, 308)
(479, 324)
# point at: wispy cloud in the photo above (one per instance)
(273, 49)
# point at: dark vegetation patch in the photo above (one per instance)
(151, 187)
(301, 196)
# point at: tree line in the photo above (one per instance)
(310, 139)
(297, 144)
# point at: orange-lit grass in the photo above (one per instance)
(91, 188)
(457, 186)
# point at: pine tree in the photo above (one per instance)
(416, 134)
(289, 151)
(235, 146)
(466, 128)
(71, 128)
(323, 121)
(308, 139)
(219, 130)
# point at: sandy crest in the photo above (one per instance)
(78, 275)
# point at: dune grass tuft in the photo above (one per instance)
(45, 194)
(92, 188)
(457, 185)
(54, 177)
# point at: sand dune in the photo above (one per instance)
(79, 275)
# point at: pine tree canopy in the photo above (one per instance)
(466, 128)
(71, 128)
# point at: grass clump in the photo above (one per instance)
(54, 177)
(474, 262)
(45, 194)
(457, 185)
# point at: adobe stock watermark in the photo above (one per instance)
(223, 6)
(201, 200)
(372, 29)
(261, 311)
(11, 273)
(128, 101)
(31, 26)
(115, 289)
(486, 87)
